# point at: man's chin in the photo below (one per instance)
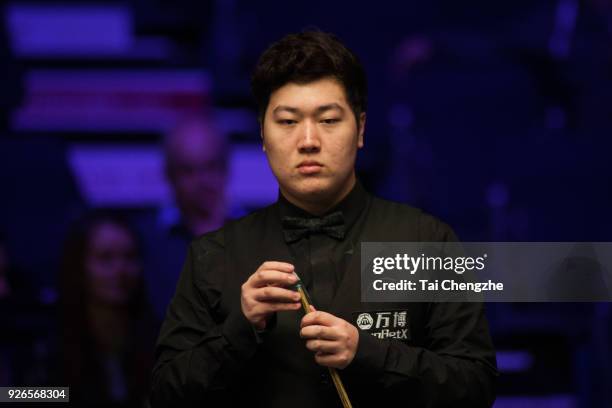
(313, 193)
(312, 188)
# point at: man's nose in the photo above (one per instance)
(309, 137)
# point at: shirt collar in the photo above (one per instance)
(351, 206)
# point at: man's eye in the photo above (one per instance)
(330, 121)
(286, 122)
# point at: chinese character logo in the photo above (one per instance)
(382, 320)
(365, 321)
(399, 319)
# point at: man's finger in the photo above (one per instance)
(265, 277)
(279, 266)
(323, 346)
(263, 309)
(318, 317)
(324, 359)
(336, 360)
(318, 332)
(279, 307)
(275, 294)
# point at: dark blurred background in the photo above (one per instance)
(494, 116)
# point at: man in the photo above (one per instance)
(195, 161)
(235, 334)
(196, 165)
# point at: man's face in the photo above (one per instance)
(311, 138)
(196, 167)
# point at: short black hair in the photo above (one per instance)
(306, 57)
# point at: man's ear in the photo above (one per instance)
(261, 135)
(362, 122)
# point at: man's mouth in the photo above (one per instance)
(309, 167)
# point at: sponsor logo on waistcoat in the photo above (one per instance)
(392, 324)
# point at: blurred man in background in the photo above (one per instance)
(196, 156)
(196, 166)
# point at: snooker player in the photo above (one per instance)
(234, 334)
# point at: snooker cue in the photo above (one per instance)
(346, 403)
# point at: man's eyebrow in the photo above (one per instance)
(329, 106)
(319, 110)
(285, 108)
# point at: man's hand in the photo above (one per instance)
(333, 340)
(265, 292)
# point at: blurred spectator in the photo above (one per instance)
(196, 158)
(106, 333)
(196, 166)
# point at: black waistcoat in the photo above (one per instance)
(283, 372)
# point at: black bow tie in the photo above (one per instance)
(295, 228)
